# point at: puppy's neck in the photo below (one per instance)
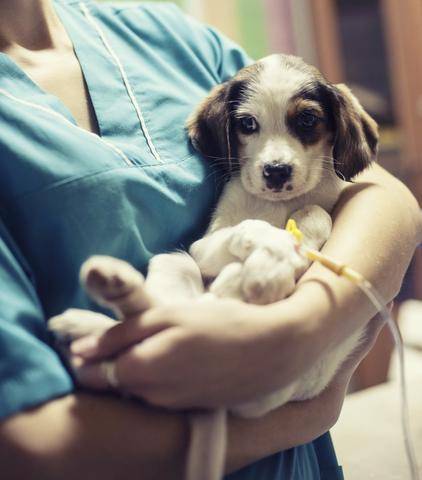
(237, 204)
(325, 194)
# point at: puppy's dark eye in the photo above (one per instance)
(248, 125)
(307, 120)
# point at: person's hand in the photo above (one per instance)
(203, 354)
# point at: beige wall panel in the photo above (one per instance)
(223, 15)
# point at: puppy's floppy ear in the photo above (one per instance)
(211, 126)
(355, 134)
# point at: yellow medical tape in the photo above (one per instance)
(339, 269)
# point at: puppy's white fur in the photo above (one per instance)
(245, 252)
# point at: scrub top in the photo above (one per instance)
(135, 190)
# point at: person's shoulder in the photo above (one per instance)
(156, 11)
(166, 30)
(150, 12)
(149, 16)
(168, 23)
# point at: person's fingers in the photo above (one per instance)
(115, 284)
(130, 373)
(117, 338)
(88, 375)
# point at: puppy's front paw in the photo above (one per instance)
(74, 323)
(228, 282)
(266, 278)
(251, 235)
(247, 237)
(270, 261)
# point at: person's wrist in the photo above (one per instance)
(329, 306)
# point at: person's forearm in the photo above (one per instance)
(377, 225)
(86, 437)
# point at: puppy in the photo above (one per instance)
(287, 141)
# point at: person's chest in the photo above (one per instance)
(60, 74)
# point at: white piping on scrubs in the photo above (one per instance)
(57, 115)
(125, 79)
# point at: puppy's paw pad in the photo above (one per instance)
(109, 278)
(248, 236)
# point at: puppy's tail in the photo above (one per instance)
(208, 445)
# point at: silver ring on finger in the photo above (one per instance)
(108, 369)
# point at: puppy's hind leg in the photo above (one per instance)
(115, 284)
(112, 283)
(174, 277)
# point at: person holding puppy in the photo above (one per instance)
(93, 102)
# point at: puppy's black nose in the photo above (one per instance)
(277, 175)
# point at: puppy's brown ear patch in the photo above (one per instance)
(356, 134)
(212, 128)
(209, 125)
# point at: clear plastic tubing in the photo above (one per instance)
(379, 304)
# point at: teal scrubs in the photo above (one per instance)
(133, 191)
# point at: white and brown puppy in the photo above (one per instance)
(287, 141)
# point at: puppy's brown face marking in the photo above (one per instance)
(284, 127)
(306, 120)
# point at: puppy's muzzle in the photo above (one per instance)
(276, 175)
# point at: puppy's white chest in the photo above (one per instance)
(237, 205)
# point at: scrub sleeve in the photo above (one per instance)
(30, 370)
(135, 190)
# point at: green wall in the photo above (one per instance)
(253, 36)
